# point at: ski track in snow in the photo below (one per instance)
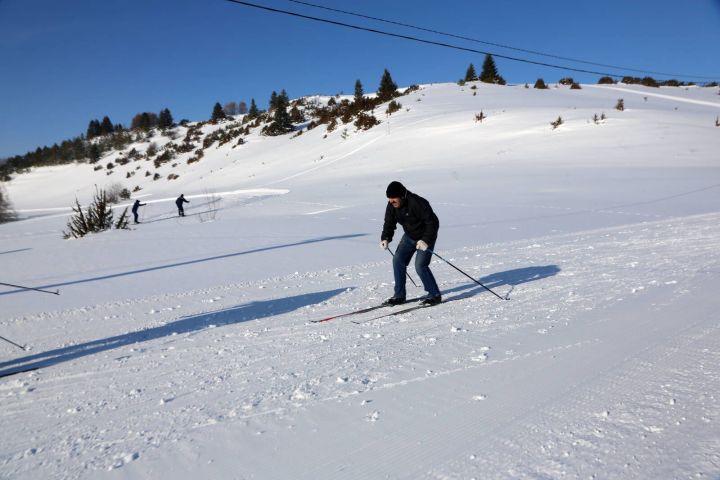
(261, 371)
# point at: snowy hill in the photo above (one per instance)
(185, 347)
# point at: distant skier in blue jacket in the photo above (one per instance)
(135, 207)
(179, 202)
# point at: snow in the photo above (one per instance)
(185, 348)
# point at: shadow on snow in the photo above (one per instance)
(512, 278)
(192, 262)
(190, 324)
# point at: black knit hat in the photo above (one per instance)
(396, 190)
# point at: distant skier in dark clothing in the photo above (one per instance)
(179, 202)
(135, 207)
(421, 226)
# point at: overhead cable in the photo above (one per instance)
(421, 40)
(461, 37)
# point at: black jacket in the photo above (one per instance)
(180, 200)
(416, 217)
(137, 205)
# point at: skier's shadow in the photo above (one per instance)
(514, 277)
(194, 323)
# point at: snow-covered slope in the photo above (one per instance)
(185, 347)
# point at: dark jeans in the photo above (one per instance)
(405, 250)
(135, 214)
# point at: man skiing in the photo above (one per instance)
(421, 226)
(179, 202)
(135, 207)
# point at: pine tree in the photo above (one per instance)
(282, 123)
(359, 93)
(93, 153)
(93, 130)
(217, 113)
(540, 84)
(387, 89)
(98, 217)
(253, 112)
(145, 121)
(165, 119)
(470, 75)
(273, 100)
(490, 73)
(106, 126)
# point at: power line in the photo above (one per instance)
(415, 39)
(496, 44)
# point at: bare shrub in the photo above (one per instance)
(212, 206)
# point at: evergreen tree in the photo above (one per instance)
(144, 121)
(217, 113)
(283, 97)
(282, 122)
(93, 153)
(387, 89)
(540, 84)
(359, 93)
(165, 119)
(253, 112)
(93, 130)
(106, 126)
(490, 73)
(470, 75)
(273, 100)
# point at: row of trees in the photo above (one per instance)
(97, 128)
(489, 73)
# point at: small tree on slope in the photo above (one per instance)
(490, 73)
(6, 212)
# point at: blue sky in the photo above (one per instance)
(66, 63)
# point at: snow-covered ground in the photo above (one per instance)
(185, 348)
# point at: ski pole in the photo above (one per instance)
(12, 343)
(471, 278)
(406, 272)
(56, 292)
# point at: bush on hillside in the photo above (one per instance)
(114, 192)
(620, 105)
(566, 81)
(540, 84)
(393, 107)
(557, 123)
(606, 81)
(366, 121)
(651, 82)
(6, 211)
